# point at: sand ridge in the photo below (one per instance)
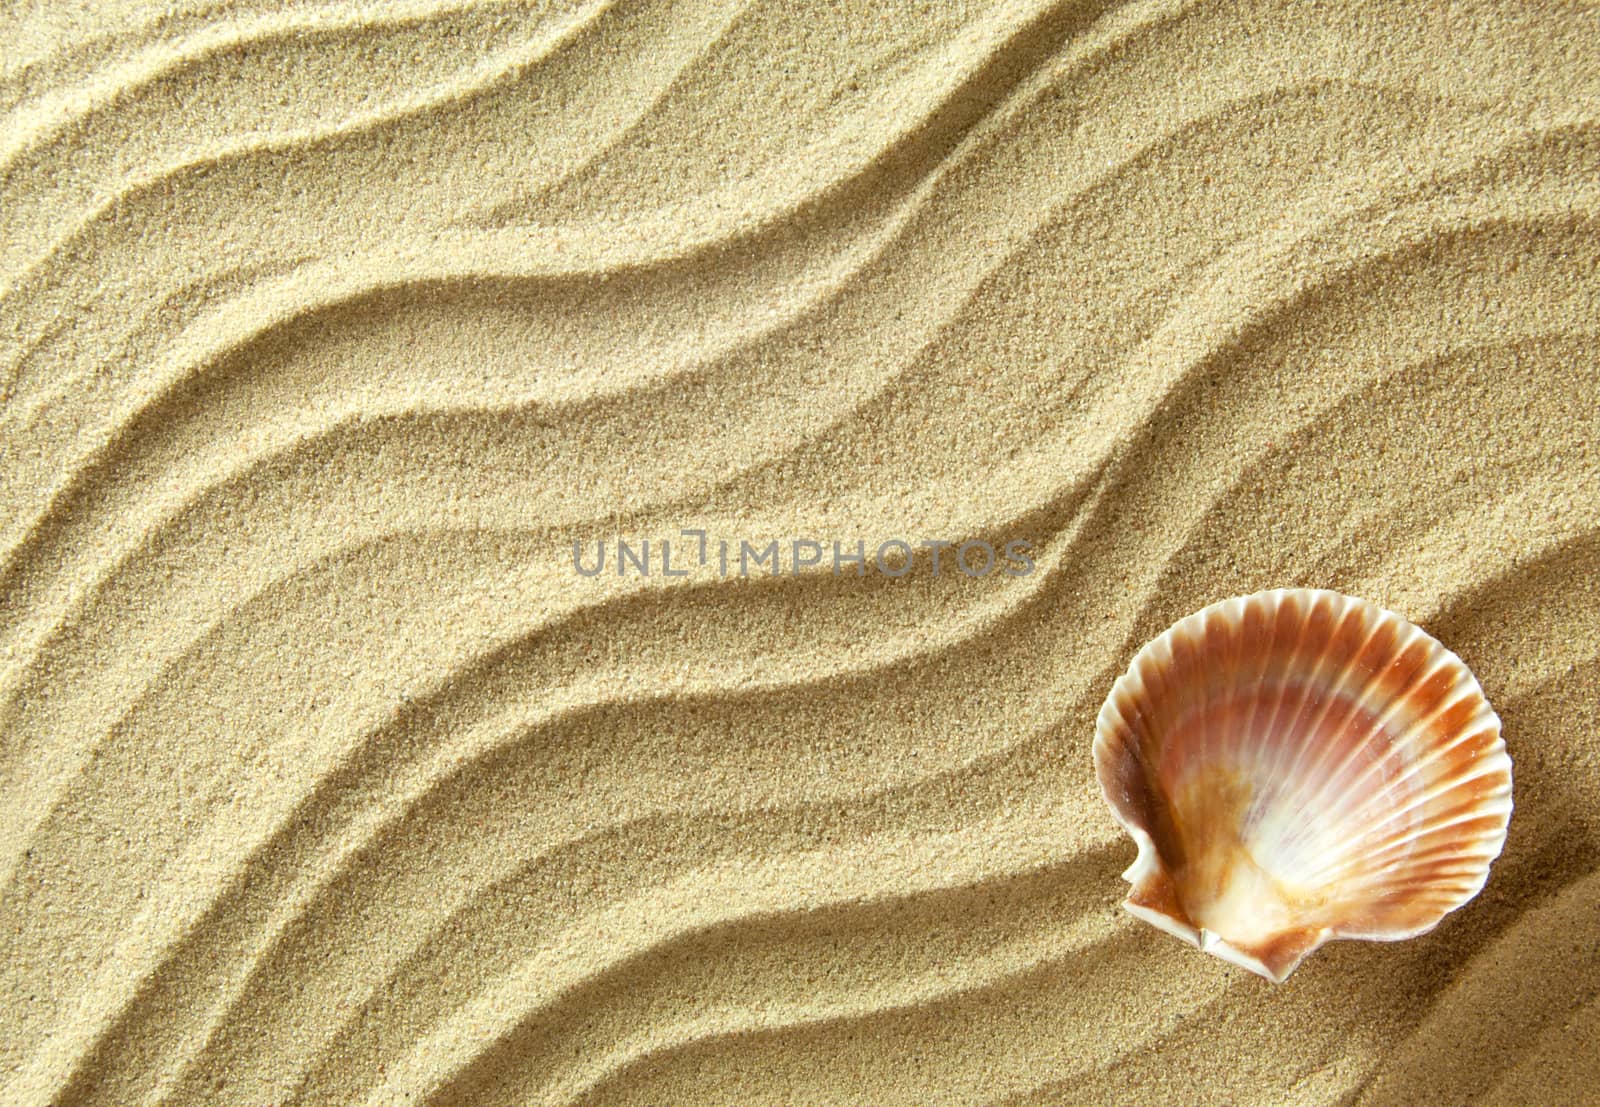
(329, 328)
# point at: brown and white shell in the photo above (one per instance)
(1297, 766)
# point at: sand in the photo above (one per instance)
(329, 328)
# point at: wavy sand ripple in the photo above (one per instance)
(330, 328)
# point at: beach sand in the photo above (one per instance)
(329, 329)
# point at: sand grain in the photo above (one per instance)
(329, 328)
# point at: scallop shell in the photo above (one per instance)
(1298, 766)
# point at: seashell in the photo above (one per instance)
(1298, 766)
